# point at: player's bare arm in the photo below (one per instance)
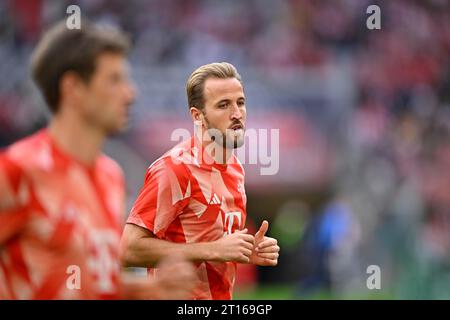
(175, 281)
(140, 248)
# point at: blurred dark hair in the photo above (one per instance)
(62, 49)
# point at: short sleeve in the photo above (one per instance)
(162, 198)
(14, 198)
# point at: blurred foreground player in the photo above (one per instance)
(193, 201)
(61, 200)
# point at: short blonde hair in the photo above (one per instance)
(196, 82)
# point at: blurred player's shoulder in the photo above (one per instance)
(38, 152)
(31, 151)
(110, 167)
(16, 162)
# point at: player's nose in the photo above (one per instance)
(236, 113)
(130, 93)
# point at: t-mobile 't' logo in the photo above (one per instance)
(229, 220)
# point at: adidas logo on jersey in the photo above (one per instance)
(214, 199)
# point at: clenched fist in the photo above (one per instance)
(235, 247)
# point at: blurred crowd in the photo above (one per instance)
(375, 103)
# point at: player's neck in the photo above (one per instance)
(219, 154)
(75, 138)
(221, 157)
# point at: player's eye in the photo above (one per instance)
(223, 105)
(117, 78)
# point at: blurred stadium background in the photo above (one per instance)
(364, 119)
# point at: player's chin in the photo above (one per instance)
(234, 142)
(117, 128)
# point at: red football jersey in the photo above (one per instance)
(60, 223)
(187, 198)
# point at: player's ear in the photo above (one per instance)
(70, 85)
(196, 115)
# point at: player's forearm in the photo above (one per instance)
(147, 252)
